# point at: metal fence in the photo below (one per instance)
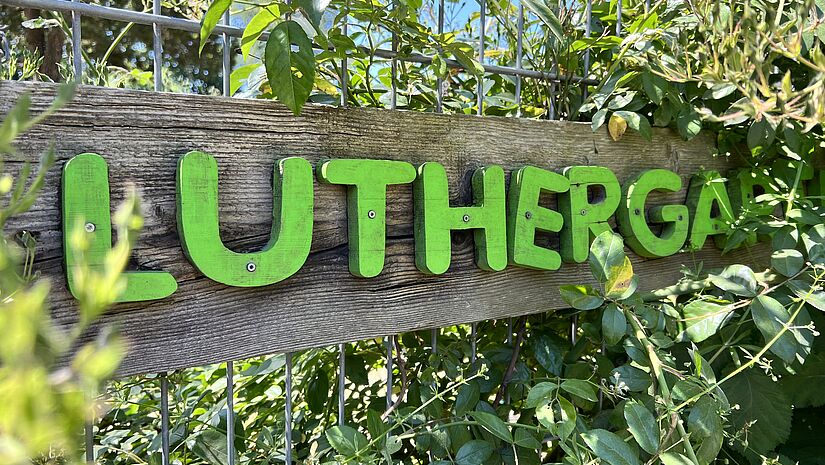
(227, 32)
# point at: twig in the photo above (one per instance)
(508, 375)
(402, 370)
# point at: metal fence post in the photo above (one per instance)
(157, 46)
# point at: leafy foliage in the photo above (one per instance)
(49, 375)
(717, 367)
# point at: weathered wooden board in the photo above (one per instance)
(143, 134)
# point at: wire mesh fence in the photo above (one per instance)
(228, 35)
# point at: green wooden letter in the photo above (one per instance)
(367, 182)
(631, 215)
(86, 201)
(742, 189)
(434, 219)
(198, 227)
(583, 221)
(525, 216)
(708, 190)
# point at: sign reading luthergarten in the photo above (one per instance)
(504, 223)
(265, 232)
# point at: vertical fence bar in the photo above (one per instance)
(88, 430)
(390, 340)
(551, 110)
(227, 58)
(481, 37)
(230, 413)
(157, 47)
(230, 367)
(77, 52)
(588, 17)
(574, 329)
(288, 411)
(164, 418)
(473, 343)
(342, 352)
(394, 67)
(345, 63)
(519, 53)
(439, 83)
(619, 18)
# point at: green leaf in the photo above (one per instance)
(545, 415)
(493, 424)
(719, 90)
(463, 53)
(548, 17)
(703, 319)
(788, 262)
(580, 388)
(634, 379)
(811, 295)
(549, 352)
(760, 134)
(539, 393)
(581, 297)
(614, 324)
(770, 317)
(598, 119)
(642, 425)
(210, 446)
(210, 19)
(467, 398)
(610, 448)
(376, 426)
(654, 86)
(606, 254)
(313, 10)
(318, 391)
(800, 386)
(239, 75)
(675, 458)
(257, 25)
(525, 438)
(704, 417)
(689, 123)
(346, 440)
(567, 422)
(621, 282)
(637, 122)
(762, 408)
(291, 73)
(474, 453)
(737, 279)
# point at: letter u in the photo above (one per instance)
(199, 230)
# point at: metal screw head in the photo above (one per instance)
(583, 212)
(251, 267)
(89, 227)
(637, 212)
(466, 218)
(680, 218)
(716, 226)
(528, 214)
(371, 214)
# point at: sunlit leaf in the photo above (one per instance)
(210, 20)
(291, 73)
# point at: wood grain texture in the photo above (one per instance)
(142, 135)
